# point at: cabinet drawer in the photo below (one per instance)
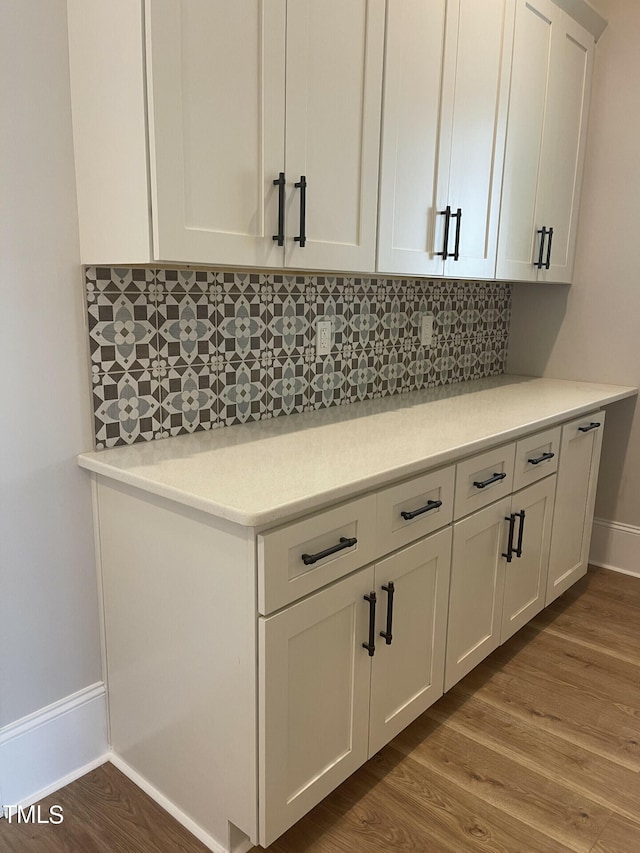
(418, 497)
(298, 558)
(536, 456)
(494, 469)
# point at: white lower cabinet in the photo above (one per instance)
(498, 575)
(580, 448)
(285, 657)
(334, 689)
(526, 574)
(408, 670)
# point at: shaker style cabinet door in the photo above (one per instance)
(408, 667)
(548, 110)
(563, 161)
(444, 122)
(216, 88)
(333, 101)
(580, 448)
(314, 680)
(477, 585)
(525, 581)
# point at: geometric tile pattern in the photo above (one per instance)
(177, 351)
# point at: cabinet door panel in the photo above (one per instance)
(475, 598)
(314, 702)
(563, 157)
(333, 102)
(575, 500)
(530, 74)
(407, 675)
(216, 77)
(415, 45)
(525, 581)
(482, 69)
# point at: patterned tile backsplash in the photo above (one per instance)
(175, 351)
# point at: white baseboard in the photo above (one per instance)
(170, 807)
(615, 546)
(52, 747)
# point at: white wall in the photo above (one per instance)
(591, 331)
(49, 639)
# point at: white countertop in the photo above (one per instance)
(266, 472)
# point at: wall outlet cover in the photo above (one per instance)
(324, 337)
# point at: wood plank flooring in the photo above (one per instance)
(536, 751)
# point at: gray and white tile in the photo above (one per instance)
(126, 409)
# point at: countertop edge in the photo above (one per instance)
(286, 512)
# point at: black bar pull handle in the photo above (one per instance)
(371, 645)
(456, 249)
(518, 548)
(480, 484)
(540, 459)
(302, 236)
(444, 254)
(414, 513)
(390, 590)
(345, 542)
(592, 425)
(512, 523)
(540, 263)
(280, 183)
(550, 236)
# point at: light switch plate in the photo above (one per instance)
(426, 330)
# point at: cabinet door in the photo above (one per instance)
(564, 144)
(333, 101)
(216, 76)
(413, 101)
(444, 121)
(477, 582)
(575, 499)
(525, 581)
(314, 680)
(518, 240)
(476, 141)
(408, 672)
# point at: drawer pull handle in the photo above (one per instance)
(390, 590)
(444, 254)
(548, 261)
(280, 183)
(371, 645)
(518, 548)
(456, 251)
(480, 484)
(540, 262)
(592, 425)
(512, 524)
(416, 512)
(540, 459)
(302, 236)
(310, 559)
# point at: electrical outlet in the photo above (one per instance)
(324, 337)
(426, 330)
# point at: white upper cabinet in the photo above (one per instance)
(443, 134)
(548, 111)
(215, 73)
(220, 78)
(333, 100)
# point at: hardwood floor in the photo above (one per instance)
(536, 751)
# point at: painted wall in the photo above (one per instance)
(591, 331)
(49, 637)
